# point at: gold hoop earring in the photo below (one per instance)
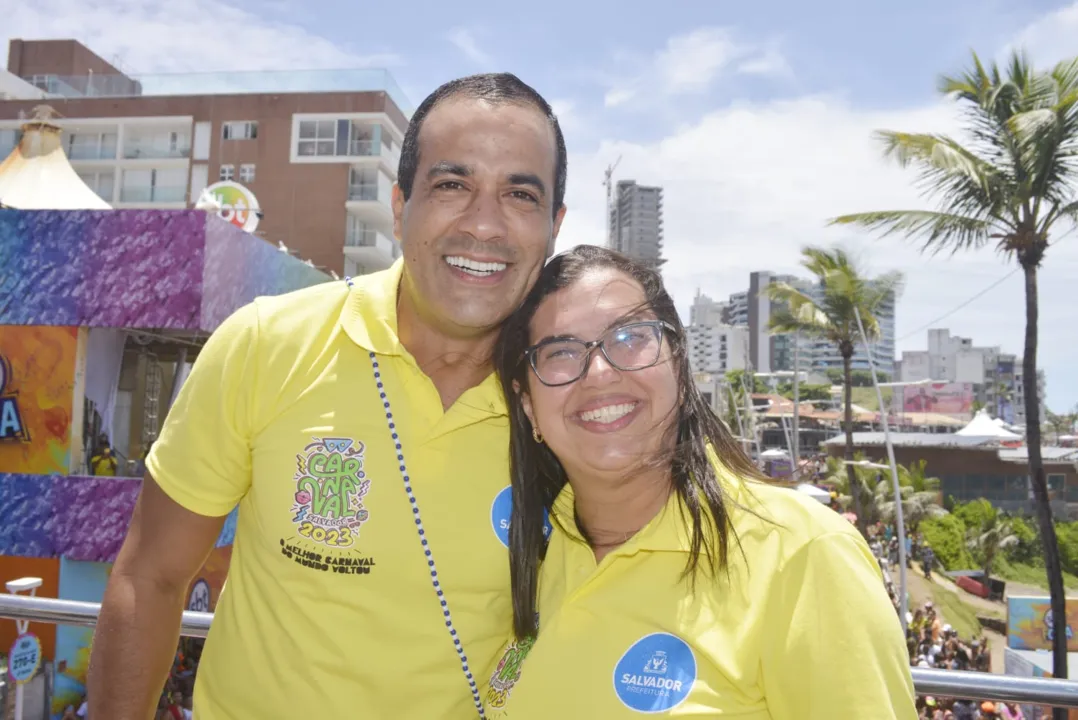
(536, 435)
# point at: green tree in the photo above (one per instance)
(1061, 424)
(946, 536)
(1011, 185)
(991, 538)
(806, 391)
(920, 495)
(831, 315)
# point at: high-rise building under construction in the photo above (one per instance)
(636, 222)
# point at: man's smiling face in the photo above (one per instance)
(479, 222)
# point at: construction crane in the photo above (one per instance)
(609, 184)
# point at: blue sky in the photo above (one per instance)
(756, 118)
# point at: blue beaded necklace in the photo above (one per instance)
(423, 541)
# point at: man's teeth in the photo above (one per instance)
(479, 269)
(607, 414)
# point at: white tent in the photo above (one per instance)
(37, 174)
(775, 454)
(982, 426)
(814, 492)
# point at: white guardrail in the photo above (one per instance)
(941, 683)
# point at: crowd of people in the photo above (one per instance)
(932, 643)
(177, 693)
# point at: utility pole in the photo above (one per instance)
(609, 184)
(797, 407)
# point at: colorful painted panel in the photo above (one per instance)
(1029, 623)
(79, 518)
(83, 581)
(37, 380)
(176, 269)
(239, 269)
(86, 581)
(106, 268)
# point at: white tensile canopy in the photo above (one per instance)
(37, 174)
(814, 492)
(982, 426)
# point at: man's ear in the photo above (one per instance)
(397, 204)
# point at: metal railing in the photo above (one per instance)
(940, 683)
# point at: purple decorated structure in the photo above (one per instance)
(149, 269)
(143, 275)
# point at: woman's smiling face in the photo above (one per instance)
(609, 421)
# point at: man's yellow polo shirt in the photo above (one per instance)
(330, 608)
(801, 628)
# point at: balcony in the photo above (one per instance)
(225, 83)
(370, 248)
(154, 194)
(367, 192)
(369, 148)
(150, 151)
(86, 152)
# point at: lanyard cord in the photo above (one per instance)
(423, 541)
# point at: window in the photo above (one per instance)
(227, 172)
(166, 185)
(239, 130)
(100, 182)
(317, 138)
(247, 172)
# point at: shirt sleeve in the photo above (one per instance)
(202, 458)
(833, 639)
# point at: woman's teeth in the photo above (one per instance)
(608, 414)
(479, 269)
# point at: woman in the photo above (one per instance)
(674, 581)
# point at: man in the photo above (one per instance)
(103, 463)
(360, 430)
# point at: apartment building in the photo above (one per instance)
(825, 355)
(753, 309)
(636, 222)
(317, 150)
(996, 376)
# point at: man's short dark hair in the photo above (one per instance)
(494, 88)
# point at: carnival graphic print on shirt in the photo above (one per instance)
(327, 507)
(507, 673)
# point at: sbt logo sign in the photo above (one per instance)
(238, 204)
(11, 427)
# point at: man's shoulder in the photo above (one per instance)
(305, 310)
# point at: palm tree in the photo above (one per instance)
(830, 313)
(864, 486)
(920, 495)
(995, 535)
(1010, 185)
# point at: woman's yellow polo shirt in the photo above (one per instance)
(799, 628)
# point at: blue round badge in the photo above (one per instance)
(655, 674)
(24, 658)
(501, 510)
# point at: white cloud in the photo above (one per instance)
(770, 62)
(146, 36)
(464, 40)
(567, 114)
(1051, 38)
(746, 186)
(691, 63)
(618, 96)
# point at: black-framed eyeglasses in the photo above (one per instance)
(633, 346)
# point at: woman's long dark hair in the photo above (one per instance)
(538, 476)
